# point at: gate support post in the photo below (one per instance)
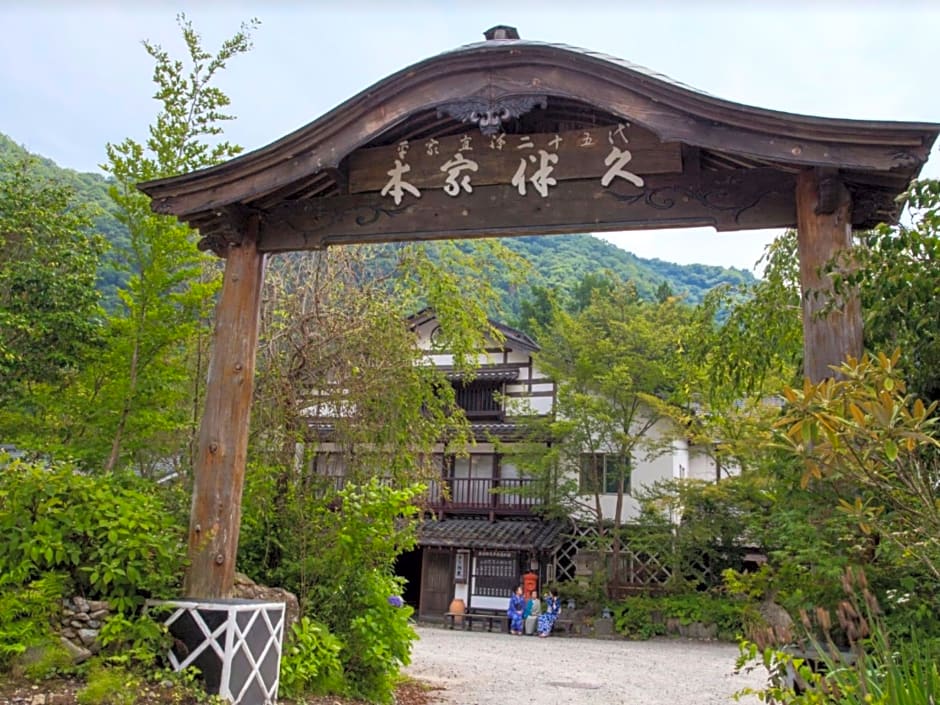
(824, 221)
(215, 515)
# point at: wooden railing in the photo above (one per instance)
(469, 495)
(501, 496)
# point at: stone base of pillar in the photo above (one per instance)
(235, 644)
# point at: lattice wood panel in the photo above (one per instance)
(642, 566)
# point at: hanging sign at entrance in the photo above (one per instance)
(532, 164)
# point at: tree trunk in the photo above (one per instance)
(125, 409)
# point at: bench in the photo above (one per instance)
(816, 661)
(466, 619)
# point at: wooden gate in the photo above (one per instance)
(504, 138)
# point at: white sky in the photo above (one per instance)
(73, 75)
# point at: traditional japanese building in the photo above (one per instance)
(482, 530)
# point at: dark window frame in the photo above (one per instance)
(478, 399)
(599, 473)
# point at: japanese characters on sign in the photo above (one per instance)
(532, 164)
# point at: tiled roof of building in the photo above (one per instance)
(506, 534)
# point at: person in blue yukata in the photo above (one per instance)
(551, 608)
(515, 611)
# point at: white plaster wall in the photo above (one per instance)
(701, 466)
(646, 471)
(441, 360)
(461, 592)
(424, 334)
(680, 459)
(542, 387)
(539, 405)
(490, 603)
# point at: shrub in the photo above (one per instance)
(24, 613)
(113, 540)
(378, 641)
(353, 590)
(645, 616)
(133, 640)
(43, 659)
(880, 672)
(310, 665)
(634, 618)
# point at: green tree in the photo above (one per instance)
(339, 364)
(894, 269)
(748, 340)
(591, 284)
(664, 292)
(339, 372)
(146, 390)
(535, 311)
(49, 314)
(615, 364)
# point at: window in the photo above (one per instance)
(472, 479)
(330, 468)
(601, 472)
(496, 574)
(478, 400)
(328, 464)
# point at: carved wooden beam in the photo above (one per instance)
(734, 200)
(575, 154)
(489, 114)
(227, 229)
(831, 193)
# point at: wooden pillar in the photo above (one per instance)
(824, 221)
(215, 516)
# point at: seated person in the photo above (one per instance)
(551, 609)
(533, 608)
(516, 608)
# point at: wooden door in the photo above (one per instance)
(437, 584)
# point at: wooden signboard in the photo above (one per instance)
(530, 163)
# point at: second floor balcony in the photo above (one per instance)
(467, 495)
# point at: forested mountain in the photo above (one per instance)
(559, 262)
(89, 188)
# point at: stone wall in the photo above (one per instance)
(79, 625)
(80, 621)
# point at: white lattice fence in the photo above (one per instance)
(236, 645)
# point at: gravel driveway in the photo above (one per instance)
(480, 668)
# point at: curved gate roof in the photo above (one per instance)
(525, 87)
